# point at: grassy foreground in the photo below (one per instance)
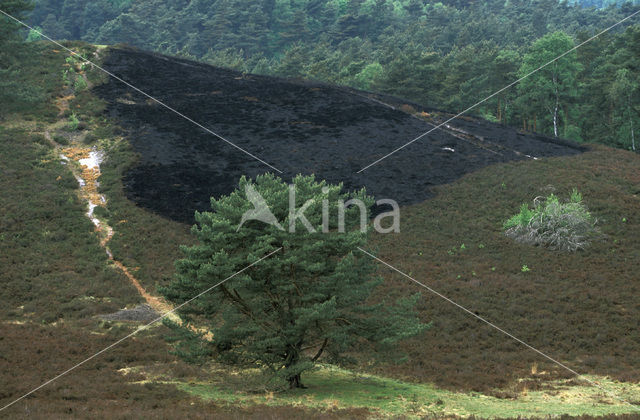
(332, 388)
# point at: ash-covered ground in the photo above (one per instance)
(298, 127)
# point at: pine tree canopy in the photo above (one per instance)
(308, 302)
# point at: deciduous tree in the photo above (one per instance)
(622, 93)
(551, 89)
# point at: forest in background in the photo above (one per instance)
(447, 54)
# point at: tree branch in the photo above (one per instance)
(319, 353)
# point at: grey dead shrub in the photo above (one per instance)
(560, 226)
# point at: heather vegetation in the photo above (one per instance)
(310, 314)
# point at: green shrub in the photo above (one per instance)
(561, 226)
(34, 34)
(101, 213)
(61, 140)
(65, 77)
(90, 138)
(521, 219)
(73, 123)
(39, 139)
(80, 84)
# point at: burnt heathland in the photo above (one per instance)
(298, 127)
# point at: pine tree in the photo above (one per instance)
(293, 63)
(504, 69)
(218, 31)
(8, 27)
(15, 94)
(307, 301)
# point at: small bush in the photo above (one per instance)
(90, 138)
(561, 226)
(101, 213)
(73, 123)
(80, 84)
(61, 140)
(39, 139)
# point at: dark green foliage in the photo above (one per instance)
(39, 139)
(29, 77)
(80, 84)
(90, 138)
(73, 124)
(189, 345)
(308, 300)
(15, 94)
(446, 55)
(62, 140)
(603, 3)
(101, 213)
(8, 27)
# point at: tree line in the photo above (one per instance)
(444, 54)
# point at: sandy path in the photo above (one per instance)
(88, 161)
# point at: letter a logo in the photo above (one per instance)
(260, 209)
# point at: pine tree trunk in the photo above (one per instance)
(295, 382)
(293, 356)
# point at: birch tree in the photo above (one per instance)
(548, 92)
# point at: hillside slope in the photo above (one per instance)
(59, 286)
(578, 307)
(298, 127)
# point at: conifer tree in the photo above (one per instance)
(14, 93)
(8, 27)
(309, 300)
